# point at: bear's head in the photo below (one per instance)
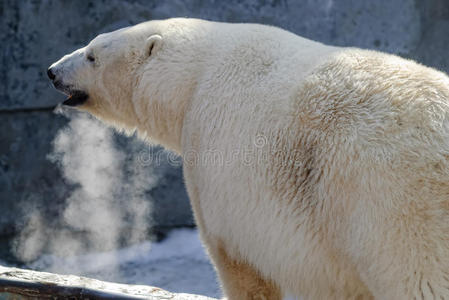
(136, 78)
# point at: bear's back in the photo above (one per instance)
(362, 94)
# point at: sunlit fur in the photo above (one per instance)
(347, 192)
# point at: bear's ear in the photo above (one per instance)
(153, 44)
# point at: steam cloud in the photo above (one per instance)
(107, 208)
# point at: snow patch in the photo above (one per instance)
(177, 264)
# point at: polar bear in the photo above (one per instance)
(314, 171)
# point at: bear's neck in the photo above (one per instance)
(160, 117)
(164, 94)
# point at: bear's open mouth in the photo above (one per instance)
(76, 98)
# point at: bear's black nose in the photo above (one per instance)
(51, 74)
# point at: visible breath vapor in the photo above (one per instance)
(107, 208)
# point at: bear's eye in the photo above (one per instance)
(91, 58)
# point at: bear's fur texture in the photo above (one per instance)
(314, 171)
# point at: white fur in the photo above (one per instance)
(324, 168)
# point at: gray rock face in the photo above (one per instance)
(35, 33)
(27, 179)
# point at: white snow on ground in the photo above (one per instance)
(177, 264)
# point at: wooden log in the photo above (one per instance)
(23, 284)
